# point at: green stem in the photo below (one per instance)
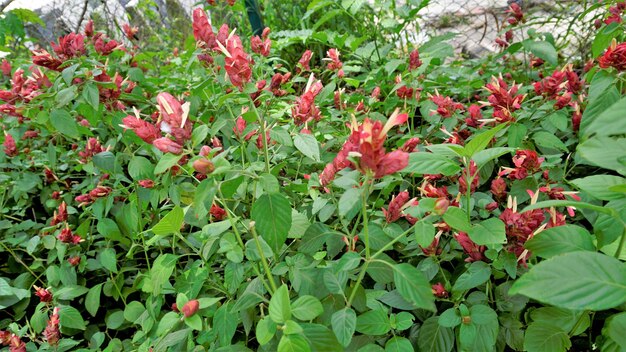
(266, 266)
(263, 126)
(357, 283)
(366, 234)
(578, 322)
(622, 241)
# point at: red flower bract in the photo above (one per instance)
(615, 56)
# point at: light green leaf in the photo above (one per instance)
(344, 324)
(413, 286)
(480, 141)
(307, 308)
(575, 280)
(272, 215)
(162, 269)
(280, 306)
(434, 337)
(431, 163)
(488, 232)
(541, 337)
(373, 322)
(63, 122)
(70, 317)
(307, 145)
(560, 240)
(170, 223)
(477, 274)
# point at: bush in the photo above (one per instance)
(227, 200)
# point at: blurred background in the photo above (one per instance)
(27, 24)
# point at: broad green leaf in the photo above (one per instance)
(610, 122)
(307, 145)
(344, 324)
(69, 317)
(542, 50)
(541, 337)
(170, 223)
(272, 215)
(162, 269)
(413, 286)
(477, 274)
(69, 292)
(601, 186)
(63, 122)
(575, 280)
(320, 337)
(398, 344)
(133, 311)
(373, 322)
(564, 319)
(605, 152)
(560, 240)
(488, 232)
(457, 219)
(616, 326)
(108, 259)
(307, 308)
(424, 233)
(603, 38)
(293, 343)
(434, 337)
(92, 300)
(430, 163)
(480, 141)
(349, 203)
(548, 140)
(140, 168)
(91, 95)
(280, 306)
(166, 162)
(265, 330)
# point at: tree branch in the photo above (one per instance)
(4, 4)
(82, 16)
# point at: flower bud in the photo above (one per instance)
(203, 166)
(190, 308)
(441, 205)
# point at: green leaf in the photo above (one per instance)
(349, 203)
(307, 145)
(108, 259)
(265, 330)
(560, 240)
(280, 307)
(140, 168)
(91, 95)
(548, 140)
(307, 308)
(272, 215)
(70, 317)
(603, 38)
(480, 141)
(424, 233)
(457, 219)
(161, 271)
(430, 163)
(344, 324)
(488, 232)
(63, 122)
(92, 300)
(133, 311)
(65, 96)
(105, 161)
(170, 223)
(39, 320)
(293, 343)
(450, 318)
(373, 322)
(434, 337)
(575, 280)
(616, 325)
(608, 123)
(541, 337)
(564, 319)
(166, 162)
(601, 186)
(398, 344)
(413, 286)
(477, 274)
(69, 292)
(542, 50)
(320, 337)
(605, 152)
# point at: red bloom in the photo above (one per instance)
(615, 56)
(366, 142)
(67, 236)
(474, 177)
(333, 56)
(261, 45)
(69, 46)
(445, 105)
(475, 252)
(441, 206)
(74, 261)
(414, 60)
(203, 166)
(60, 215)
(83, 199)
(52, 332)
(304, 60)
(100, 191)
(143, 129)
(433, 248)
(10, 148)
(217, 212)
(375, 93)
(105, 48)
(43, 294)
(503, 99)
(394, 211)
(44, 59)
(475, 116)
(526, 162)
(6, 68)
(167, 145)
(498, 188)
(92, 148)
(439, 290)
(279, 79)
(404, 92)
(130, 32)
(236, 63)
(16, 344)
(174, 117)
(240, 126)
(202, 30)
(563, 101)
(89, 29)
(410, 145)
(517, 16)
(190, 308)
(146, 183)
(305, 110)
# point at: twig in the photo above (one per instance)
(82, 16)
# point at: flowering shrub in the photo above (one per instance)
(227, 200)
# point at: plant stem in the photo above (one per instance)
(266, 266)
(622, 242)
(263, 126)
(366, 234)
(357, 283)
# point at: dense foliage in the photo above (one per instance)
(361, 196)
